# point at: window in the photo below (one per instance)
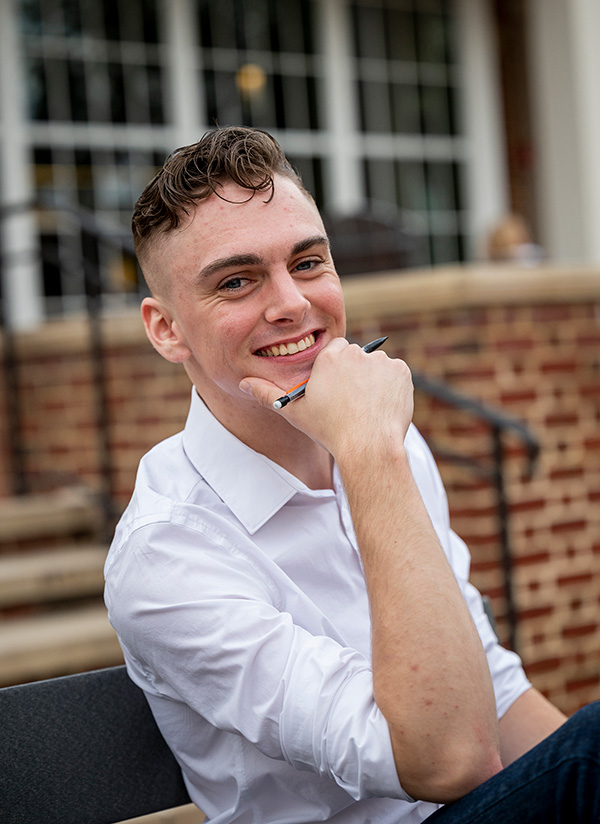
(406, 85)
(101, 88)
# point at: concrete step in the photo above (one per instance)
(57, 573)
(57, 643)
(72, 511)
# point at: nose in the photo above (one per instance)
(286, 302)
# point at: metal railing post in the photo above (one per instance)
(505, 546)
(12, 388)
(498, 423)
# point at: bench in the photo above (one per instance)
(83, 749)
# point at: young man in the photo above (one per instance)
(285, 584)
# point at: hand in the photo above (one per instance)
(352, 398)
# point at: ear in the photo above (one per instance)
(163, 331)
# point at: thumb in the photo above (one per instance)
(264, 392)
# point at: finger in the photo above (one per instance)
(264, 392)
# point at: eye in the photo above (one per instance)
(308, 266)
(233, 284)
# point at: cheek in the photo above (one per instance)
(227, 330)
(331, 300)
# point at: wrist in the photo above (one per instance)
(367, 456)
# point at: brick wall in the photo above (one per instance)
(527, 341)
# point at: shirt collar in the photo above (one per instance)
(250, 484)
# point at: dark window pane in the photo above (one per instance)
(411, 186)
(71, 18)
(223, 101)
(57, 79)
(261, 106)
(78, 91)
(375, 106)
(132, 22)
(291, 26)
(92, 19)
(218, 23)
(405, 108)
(401, 35)
(295, 102)
(50, 265)
(117, 93)
(311, 172)
(155, 93)
(98, 92)
(257, 25)
(137, 93)
(314, 121)
(369, 32)
(149, 13)
(112, 30)
(441, 187)
(445, 249)
(432, 37)
(36, 88)
(436, 111)
(30, 17)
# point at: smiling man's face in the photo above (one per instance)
(252, 292)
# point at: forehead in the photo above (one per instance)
(236, 222)
(235, 215)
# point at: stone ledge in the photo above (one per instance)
(52, 574)
(389, 294)
(57, 643)
(395, 294)
(65, 512)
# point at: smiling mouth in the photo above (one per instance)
(283, 349)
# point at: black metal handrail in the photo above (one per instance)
(92, 229)
(16, 451)
(499, 424)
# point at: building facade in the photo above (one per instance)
(395, 107)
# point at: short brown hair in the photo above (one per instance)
(249, 157)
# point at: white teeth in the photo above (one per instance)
(289, 348)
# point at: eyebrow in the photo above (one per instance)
(308, 243)
(235, 261)
(230, 262)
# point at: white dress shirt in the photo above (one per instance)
(238, 596)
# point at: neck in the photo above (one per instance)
(271, 435)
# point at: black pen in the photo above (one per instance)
(299, 390)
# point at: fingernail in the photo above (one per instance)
(246, 387)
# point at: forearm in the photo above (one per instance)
(430, 675)
(431, 679)
(527, 722)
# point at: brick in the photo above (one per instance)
(577, 631)
(582, 683)
(543, 666)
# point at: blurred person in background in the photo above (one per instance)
(510, 241)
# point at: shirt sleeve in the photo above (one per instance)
(505, 666)
(201, 620)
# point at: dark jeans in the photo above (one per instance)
(558, 781)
